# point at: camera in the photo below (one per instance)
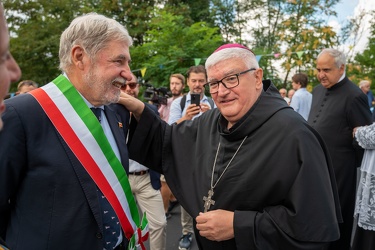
(157, 96)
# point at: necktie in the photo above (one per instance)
(111, 224)
(98, 113)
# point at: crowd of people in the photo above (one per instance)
(252, 167)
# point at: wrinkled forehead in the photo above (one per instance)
(225, 67)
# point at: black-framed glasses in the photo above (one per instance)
(228, 82)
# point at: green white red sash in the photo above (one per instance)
(84, 135)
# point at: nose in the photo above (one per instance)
(13, 69)
(320, 74)
(126, 73)
(222, 89)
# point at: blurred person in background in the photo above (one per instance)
(9, 70)
(26, 86)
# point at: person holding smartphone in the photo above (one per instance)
(188, 107)
(194, 103)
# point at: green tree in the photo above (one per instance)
(198, 11)
(171, 46)
(135, 15)
(363, 66)
(36, 27)
(288, 27)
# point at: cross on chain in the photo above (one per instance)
(208, 201)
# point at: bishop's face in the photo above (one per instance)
(108, 72)
(234, 103)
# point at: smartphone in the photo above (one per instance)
(195, 99)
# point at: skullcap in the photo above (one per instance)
(232, 45)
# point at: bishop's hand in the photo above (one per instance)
(132, 104)
(216, 225)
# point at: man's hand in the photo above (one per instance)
(216, 225)
(191, 111)
(132, 104)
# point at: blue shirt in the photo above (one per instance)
(301, 102)
(176, 113)
(370, 98)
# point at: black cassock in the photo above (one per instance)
(335, 112)
(279, 185)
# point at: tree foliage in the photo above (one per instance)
(287, 27)
(35, 27)
(172, 45)
(169, 34)
(363, 67)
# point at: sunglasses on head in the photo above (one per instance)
(131, 85)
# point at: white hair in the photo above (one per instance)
(227, 53)
(339, 57)
(93, 32)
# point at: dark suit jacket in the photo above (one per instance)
(47, 199)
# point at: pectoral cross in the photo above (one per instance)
(208, 201)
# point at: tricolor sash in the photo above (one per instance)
(84, 135)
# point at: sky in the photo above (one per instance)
(351, 8)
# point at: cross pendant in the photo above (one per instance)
(208, 201)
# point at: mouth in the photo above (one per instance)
(226, 101)
(119, 83)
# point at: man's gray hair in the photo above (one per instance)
(93, 32)
(340, 58)
(228, 53)
(363, 82)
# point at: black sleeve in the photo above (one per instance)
(146, 141)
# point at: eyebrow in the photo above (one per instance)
(228, 73)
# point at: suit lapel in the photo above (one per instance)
(88, 185)
(118, 125)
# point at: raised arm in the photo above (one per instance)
(132, 104)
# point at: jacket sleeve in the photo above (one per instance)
(146, 145)
(12, 163)
(366, 136)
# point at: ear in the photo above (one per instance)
(259, 78)
(77, 55)
(342, 69)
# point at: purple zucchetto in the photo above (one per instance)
(232, 45)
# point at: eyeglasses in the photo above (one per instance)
(130, 85)
(228, 82)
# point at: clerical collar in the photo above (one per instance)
(342, 77)
(224, 123)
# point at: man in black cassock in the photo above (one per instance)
(252, 173)
(338, 106)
